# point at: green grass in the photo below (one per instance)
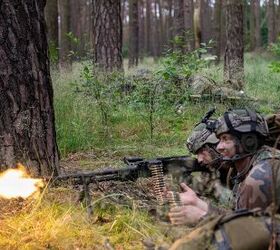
(56, 221)
(79, 126)
(78, 119)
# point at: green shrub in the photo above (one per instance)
(177, 64)
(275, 49)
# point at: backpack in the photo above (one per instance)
(273, 123)
(240, 230)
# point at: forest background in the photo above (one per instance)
(122, 73)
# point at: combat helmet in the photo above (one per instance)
(246, 125)
(200, 136)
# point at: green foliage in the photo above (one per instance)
(72, 38)
(176, 64)
(74, 41)
(121, 113)
(102, 89)
(53, 53)
(275, 49)
(274, 67)
(146, 99)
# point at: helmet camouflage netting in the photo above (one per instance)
(199, 137)
(241, 121)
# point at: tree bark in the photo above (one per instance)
(133, 49)
(107, 34)
(271, 21)
(27, 127)
(234, 58)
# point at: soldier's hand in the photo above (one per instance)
(185, 215)
(189, 197)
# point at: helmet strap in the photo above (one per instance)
(215, 155)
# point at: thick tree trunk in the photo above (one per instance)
(133, 49)
(234, 59)
(107, 34)
(188, 13)
(64, 11)
(51, 14)
(27, 129)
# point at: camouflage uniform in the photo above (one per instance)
(255, 190)
(238, 230)
(253, 185)
(207, 184)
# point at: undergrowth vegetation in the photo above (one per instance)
(144, 112)
(143, 107)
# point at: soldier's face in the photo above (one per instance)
(227, 145)
(204, 156)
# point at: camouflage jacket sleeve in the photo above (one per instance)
(256, 189)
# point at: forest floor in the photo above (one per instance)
(126, 215)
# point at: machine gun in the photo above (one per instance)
(136, 167)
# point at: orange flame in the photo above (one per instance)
(15, 183)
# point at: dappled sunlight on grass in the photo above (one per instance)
(59, 222)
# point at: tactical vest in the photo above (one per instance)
(241, 230)
(265, 153)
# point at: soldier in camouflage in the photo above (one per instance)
(242, 134)
(202, 142)
(257, 183)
